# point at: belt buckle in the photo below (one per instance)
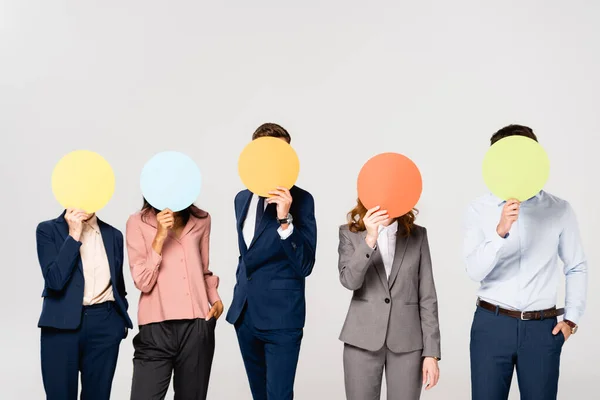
(523, 316)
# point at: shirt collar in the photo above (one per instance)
(92, 224)
(391, 229)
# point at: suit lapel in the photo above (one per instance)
(401, 244)
(108, 240)
(269, 215)
(242, 212)
(377, 262)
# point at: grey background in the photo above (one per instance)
(432, 80)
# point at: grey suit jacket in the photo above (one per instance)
(401, 312)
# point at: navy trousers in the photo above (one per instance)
(270, 358)
(499, 344)
(93, 349)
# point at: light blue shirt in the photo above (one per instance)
(521, 271)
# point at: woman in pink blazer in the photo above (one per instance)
(179, 304)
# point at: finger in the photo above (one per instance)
(436, 378)
(566, 331)
(80, 217)
(285, 193)
(211, 313)
(424, 376)
(371, 211)
(557, 328)
(378, 213)
(379, 220)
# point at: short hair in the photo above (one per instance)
(513, 130)
(271, 130)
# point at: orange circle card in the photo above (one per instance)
(266, 163)
(391, 181)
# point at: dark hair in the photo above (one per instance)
(356, 223)
(272, 130)
(184, 214)
(513, 130)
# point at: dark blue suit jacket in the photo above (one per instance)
(62, 269)
(271, 271)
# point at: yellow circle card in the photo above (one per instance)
(266, 163)
(83, 179)
(516, 167)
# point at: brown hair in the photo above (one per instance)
(271, 130)
(513, 130)
(356, 223)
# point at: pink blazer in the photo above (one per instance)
(177, 284)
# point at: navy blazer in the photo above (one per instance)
(271, 271)
(62, 269)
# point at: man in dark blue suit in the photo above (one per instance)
(84, 315)
(277, 238)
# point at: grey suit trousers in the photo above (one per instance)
(363, 372)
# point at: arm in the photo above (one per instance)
(428, 303)
(571, 253)
(353, 263)
(143, 260)
(482, 248)
(211, 281)
(57, 266)
(300, 246)
(119, 267)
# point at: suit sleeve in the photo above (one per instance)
(143, 260)
(211, 280)
(57, 266)
(301, 245)
(121, 278)
(428, 304)
(353, 263)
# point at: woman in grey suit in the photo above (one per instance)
(392, 322)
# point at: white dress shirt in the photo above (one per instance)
(386, 242)
(96, 272)
(250, 223)
(521, 271)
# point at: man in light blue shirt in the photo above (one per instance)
(513, 250)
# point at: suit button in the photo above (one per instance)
(368, 256)
(387, 301)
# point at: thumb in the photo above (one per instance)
(556, 329)
(424, 376)
(211, 313)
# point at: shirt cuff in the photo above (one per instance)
(284, 234)
(572, 316)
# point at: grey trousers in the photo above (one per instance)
(183, 349)
(363, 373)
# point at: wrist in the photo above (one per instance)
(501, 232)
(572, 325)
(75, 235)
(371, 241)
